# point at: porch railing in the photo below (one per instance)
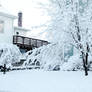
(28, 42)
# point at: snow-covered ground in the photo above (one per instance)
(45, 81)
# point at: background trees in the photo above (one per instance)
(71, 22)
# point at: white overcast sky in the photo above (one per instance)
(32, 15)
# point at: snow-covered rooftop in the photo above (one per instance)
(21, 29)
(5, 12)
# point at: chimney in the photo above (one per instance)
(20, 19)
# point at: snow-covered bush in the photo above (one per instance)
(49, 57)
(9, 54)
(73, 63)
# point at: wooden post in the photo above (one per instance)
(29, 42)
(41, 43)
(4, 69)
(16, 38)
(36, 43)
(23, 40)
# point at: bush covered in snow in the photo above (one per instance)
(73, 63)
(9, 54)
(49, 57)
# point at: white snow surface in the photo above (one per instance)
(45, 81)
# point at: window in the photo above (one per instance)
(1, 26)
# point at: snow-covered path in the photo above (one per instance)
(42, 81)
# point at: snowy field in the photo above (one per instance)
(45, 81)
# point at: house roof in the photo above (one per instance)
(6, 13)
(21, 28)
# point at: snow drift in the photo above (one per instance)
(9, 54)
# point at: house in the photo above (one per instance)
(20, 31)
(16, 35)
(6, 26)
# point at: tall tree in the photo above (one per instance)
(81, 30)
(75, 18)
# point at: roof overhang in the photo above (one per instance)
(21, 28)
(8, 15)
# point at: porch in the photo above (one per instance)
(27, 43)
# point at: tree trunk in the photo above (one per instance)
(4, 69)
(85, 64)
(86, 71)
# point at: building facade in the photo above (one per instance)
(6, 26)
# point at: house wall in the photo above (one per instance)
(21, 32)
(7, 35)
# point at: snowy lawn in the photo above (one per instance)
(45, 81)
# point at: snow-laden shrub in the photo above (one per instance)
(49, 57)
(73, 63)
(9, 54)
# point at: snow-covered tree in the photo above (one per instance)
(81, 30)
(76, 20)
(71, 23)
